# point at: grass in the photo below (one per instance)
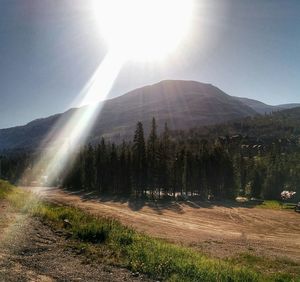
(275, 205)
(106, 239)
(283, 266)
(139, 252)
(5, 189)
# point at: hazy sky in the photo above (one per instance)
(50, 48)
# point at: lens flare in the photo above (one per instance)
(144, 29)
(71, 132)
(134, 29)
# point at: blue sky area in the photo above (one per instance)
(49, 50)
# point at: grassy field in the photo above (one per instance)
(106, 239)
(275, 205)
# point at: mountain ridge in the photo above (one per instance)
(183, 104)
(263, 108)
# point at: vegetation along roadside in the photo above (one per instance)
(122, 246)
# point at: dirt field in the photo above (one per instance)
(32, 251)
(221, 230)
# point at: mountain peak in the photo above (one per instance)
(183, 104)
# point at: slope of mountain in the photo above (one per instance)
(182, 104)
(289, 106)
(263, 108)
(258, 106)
(270, 128)
(32, 134)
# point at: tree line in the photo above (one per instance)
(161, 165)
(177, 164)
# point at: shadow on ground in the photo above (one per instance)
(160, 205)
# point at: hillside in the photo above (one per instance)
(182, 104)
(279, 125)
(263, 108)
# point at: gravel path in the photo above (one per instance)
(32, 251)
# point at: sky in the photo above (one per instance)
(49, 49)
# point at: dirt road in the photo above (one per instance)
(32, 251)
(220, 230)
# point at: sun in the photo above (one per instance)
(143, 29)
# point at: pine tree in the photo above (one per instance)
(164, 156)
(186, 173)
(114, 170)
(100, 166)
(256, 185)
(152, 157)
(177, 172)
(88, 170)
(139, 160)
(125, 171)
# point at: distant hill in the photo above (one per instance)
(279, 125)
(263, 108)
(182, 104)
(289, 106)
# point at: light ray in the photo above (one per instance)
(73, 132)
(130, 32)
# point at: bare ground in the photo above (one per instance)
(222, 230)
(32, 251)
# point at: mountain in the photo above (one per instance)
(263, 108)
(289, 106)
(280, 126)
(182, 104)
(32, 134)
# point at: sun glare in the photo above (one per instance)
(143, 29)
(71, 133)
(134, 30)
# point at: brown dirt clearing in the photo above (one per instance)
(218, 229)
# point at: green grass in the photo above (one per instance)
(275, 205)
(282, 266)
(105, 239)
(141, 253)
(5, 189)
